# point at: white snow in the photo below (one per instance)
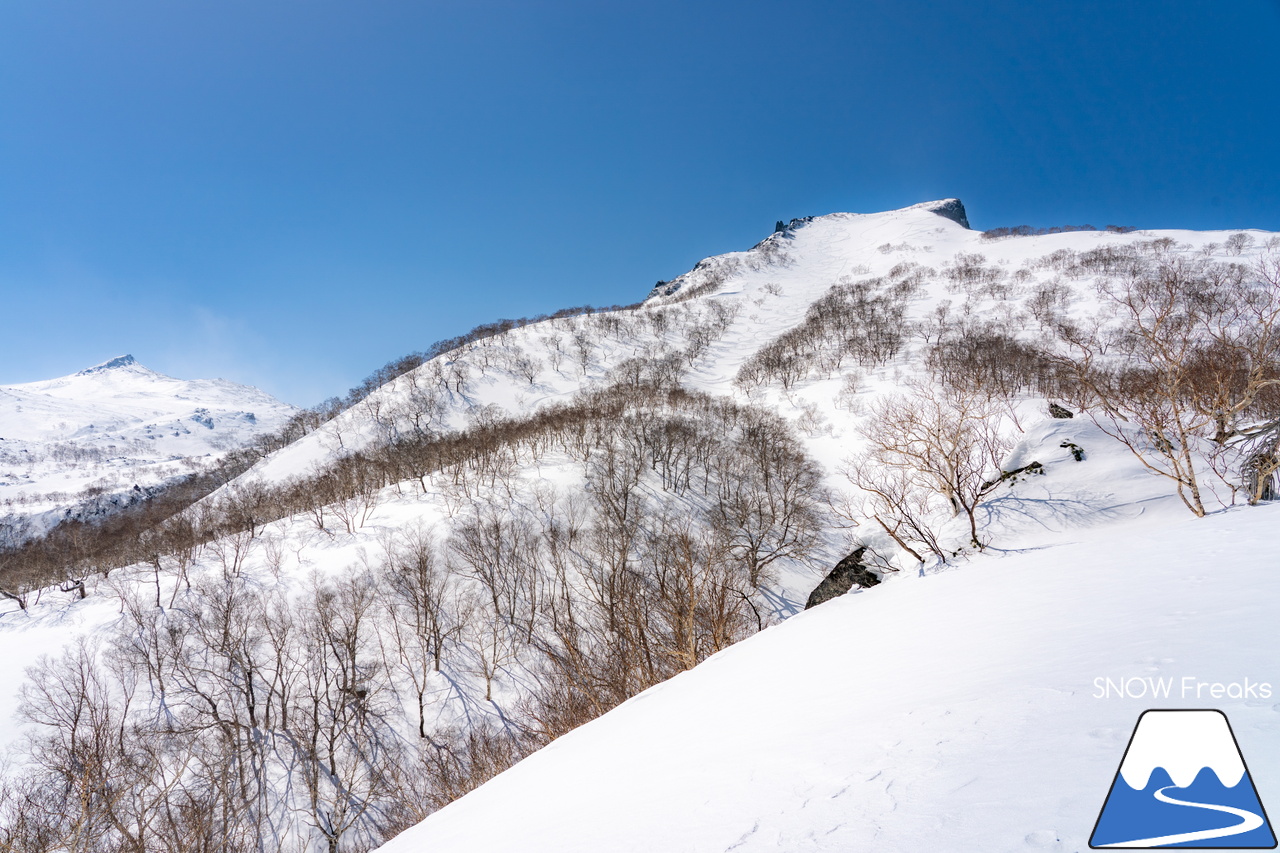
(766, 292)
(954, 712)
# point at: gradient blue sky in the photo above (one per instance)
(290, 193)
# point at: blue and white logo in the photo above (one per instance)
(1183, 783)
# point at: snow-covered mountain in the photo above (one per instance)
(117, 425)
(548, 517)
(714, 318)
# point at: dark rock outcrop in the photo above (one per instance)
(948, 208)
(1060, 411)
(843, 577)
(1011, 477)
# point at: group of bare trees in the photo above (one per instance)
(1178, 359)
(239, 721)
(1032, 231)
(932, 454)
(232, 714)
(1182, 365)
(249, 718)
(863, 321)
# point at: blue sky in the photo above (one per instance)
(290, 193)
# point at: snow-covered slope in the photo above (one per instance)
(747, 297)
(956, 712)
(953, 711)
(727, 307)
(116, 425)
(864, 724)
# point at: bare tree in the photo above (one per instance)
(344, 753)
(702, 601)
(423, 612)
(769, 496)
(933, 442)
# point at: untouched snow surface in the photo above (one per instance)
(954, 712)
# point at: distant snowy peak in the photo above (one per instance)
(117, 426)
(124, 377)
(123, 411)
(113, 364)
(121, 399)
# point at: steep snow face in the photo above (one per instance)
(955, 712)
(115, 425)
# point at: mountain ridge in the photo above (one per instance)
(535, 522)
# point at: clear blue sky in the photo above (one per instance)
(290, 193)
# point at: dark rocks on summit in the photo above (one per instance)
(847, 572)
(949, 208)
(112, 364)
(785, 228)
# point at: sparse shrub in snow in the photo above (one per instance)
(971, 275)
(1030, 231)
(1048, 301)
(768, 252)
(984, 356)
(860, 320)
(584, 346)
(1237, 243)
(527, 368)
(847, 396)
(811, 421)
(707, 276)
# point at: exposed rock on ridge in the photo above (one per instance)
(947, 208)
